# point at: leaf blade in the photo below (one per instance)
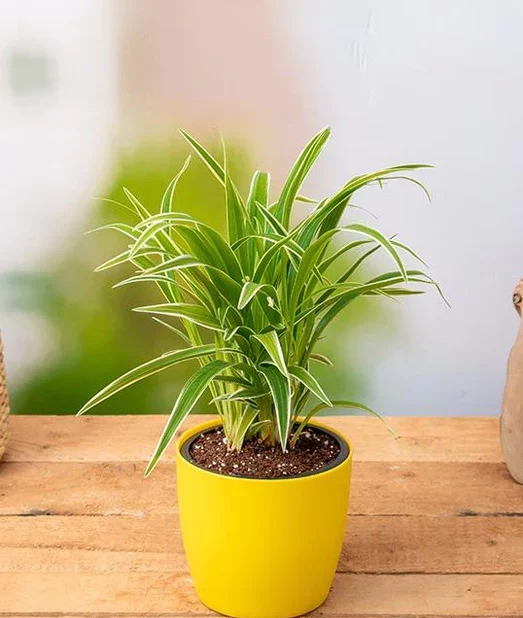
(272, 345)
(168, 196)
(298, 174)
(205, 156)
(187, 399)
(194, 313)
(145, 370)
(309, 381)
(279, 386)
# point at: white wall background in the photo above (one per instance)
(56, 141)
(437, 82)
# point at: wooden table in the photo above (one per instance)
(436, 526)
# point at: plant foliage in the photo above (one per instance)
(252, 306)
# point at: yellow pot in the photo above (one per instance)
(262, 548)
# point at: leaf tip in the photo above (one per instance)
(150, 467)
(83, 409)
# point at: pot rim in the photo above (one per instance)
(189, 435)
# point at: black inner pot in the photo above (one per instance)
(340, 457)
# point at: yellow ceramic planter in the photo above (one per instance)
(262, 548)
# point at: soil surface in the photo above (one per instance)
(313, 451)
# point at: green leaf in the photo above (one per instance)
(308, 228)
(187, 399)
(243, 394)
(328, 213)
(350, 271)
(206, 157)
(359, 228)
(218, 171)
(320, 358)
(237, 381)
(409, 250)
(155, 230)
(116, 203)
(306, 200)
(414, 181)
(259, 191)
(247, 419)
(236, 215)
(123, 228)
(250, 290)
(403, 292)
(124, 257)
(248, 370)
(310, 382)
(352, 405)
(207, 245)
(220, 280)
(137, 206)
(167, 200)
(232, 266)
(298, 174)
(346, 292)
(271, 253)
(257, 198)
(194, 313)
(171, 218)
(147, 369)
(279, 386)
(307, 265)
(272, 345)
(272, 223)
(341, 251)
(121, 258)
(177, 263)
(172, 328)
(233, 318)
(145, 277)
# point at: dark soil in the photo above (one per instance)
(314, 450)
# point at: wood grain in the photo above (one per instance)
(373, 544)
(378, 488)
(158, 592)
(133, 438)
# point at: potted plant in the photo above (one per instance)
(263, 489)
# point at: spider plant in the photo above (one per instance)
(265, 294)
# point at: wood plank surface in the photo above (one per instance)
(133, 438)
(373, 544)
(378, 488)
(436, 525)
(144, 593)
